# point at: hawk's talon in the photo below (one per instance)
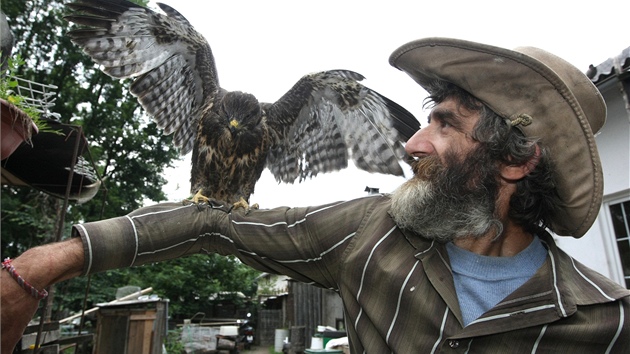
(242, 203)
(199, 198)
(252, 207)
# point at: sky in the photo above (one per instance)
(264, 47)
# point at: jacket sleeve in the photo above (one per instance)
(150, 234)
(307, 244)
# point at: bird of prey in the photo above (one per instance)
(322, 121)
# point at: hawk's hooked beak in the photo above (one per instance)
(233, 125)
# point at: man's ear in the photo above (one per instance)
(516, 172)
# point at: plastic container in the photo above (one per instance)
(317, 343)
(280, 335)
(228, 330)
(328, 335)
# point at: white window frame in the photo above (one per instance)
(613, 256)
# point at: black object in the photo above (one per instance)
(46, 162)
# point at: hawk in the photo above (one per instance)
(325, 119)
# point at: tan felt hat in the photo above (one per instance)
(541, 94)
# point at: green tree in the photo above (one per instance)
(129, 152)
(128, 149)
(190, 282)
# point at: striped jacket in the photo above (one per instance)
(396, 287)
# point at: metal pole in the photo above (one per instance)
(45, 317)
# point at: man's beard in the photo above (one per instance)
(450, 200)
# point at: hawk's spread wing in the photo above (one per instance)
(327, 118)
(172, 63)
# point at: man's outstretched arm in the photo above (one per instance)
(41, 266)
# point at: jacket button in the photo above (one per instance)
(453, 343)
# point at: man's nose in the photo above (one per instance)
(419, 144)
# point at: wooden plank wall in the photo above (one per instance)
(268, 322)
(306, 308)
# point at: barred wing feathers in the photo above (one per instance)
(172, 63)
(329, 117)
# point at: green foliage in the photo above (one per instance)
(8, 92)
(25, 225)
(173, 341)
(130, 154)
(201, 276)
(8, 85)
(188, 283)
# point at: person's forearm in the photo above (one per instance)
(46, 265)
(41, 267)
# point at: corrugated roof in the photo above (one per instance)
(611, 67)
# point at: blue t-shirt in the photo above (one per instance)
(482, 282)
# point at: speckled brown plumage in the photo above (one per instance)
(324, 120)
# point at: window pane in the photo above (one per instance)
(624, 252)
(620, 215)
(619, 220)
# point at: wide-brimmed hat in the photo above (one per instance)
(541, 94)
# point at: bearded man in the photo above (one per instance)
(459, 259)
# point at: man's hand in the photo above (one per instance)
(41, 266)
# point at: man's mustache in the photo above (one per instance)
(428, 167)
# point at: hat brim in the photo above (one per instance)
(564, 105)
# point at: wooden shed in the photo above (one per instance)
(131, 327)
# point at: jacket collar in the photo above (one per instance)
(554, 292)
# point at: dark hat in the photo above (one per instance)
(542, 95)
